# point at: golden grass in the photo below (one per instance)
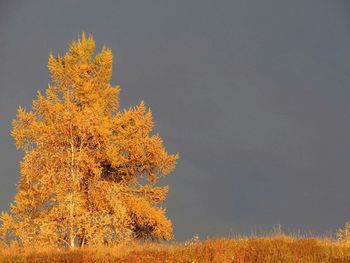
(282, 249)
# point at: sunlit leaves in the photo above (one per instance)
(82, 174)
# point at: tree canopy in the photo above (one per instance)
(90, 170)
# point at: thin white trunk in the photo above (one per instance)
(72, 244)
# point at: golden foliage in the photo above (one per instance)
(85, 161)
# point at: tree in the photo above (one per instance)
(89, 171)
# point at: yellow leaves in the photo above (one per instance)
(134, 120)
(148, 221)
(103, 65)
(25, 129)
(151, 193)
(84, 80)
(84, 160)
(7, 221)
(142, 154)
(56, 68)
(82, 49)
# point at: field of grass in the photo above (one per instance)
(238, 250)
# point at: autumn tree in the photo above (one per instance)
(89, 171)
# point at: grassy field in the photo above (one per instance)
(253, 249)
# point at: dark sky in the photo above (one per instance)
(254, 95)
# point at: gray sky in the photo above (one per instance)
(254, 95)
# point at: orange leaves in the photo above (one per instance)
(103, 65)
(148, 221)
(25, 129)
(136, 121)
(83, 79)
(81, 175)
(153, 194)
(81, 50)
(143, 153)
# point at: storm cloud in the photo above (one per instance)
(254, 95)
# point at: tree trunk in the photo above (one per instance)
(72, 244)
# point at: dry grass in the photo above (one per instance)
(253, 249)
